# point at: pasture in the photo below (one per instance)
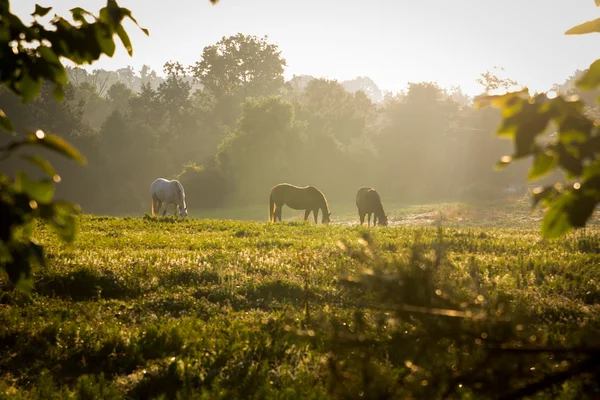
(206, 308)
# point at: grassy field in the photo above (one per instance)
(206, 308)
(509, 214)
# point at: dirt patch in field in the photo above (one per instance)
(426, 218)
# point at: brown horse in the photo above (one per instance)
(369, 202)
(307, 198)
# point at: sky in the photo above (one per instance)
(391, 41)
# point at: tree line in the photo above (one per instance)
(229, 127)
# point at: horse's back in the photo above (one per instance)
(297, 197)
(367, 197)
(361, 194)
(158, 183)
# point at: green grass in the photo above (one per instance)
(143, 308)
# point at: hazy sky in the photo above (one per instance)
(391, 41)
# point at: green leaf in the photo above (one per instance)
(64, 221)
(59, 93)
(127, 13)
(29, 88)
(545, 195)
(556, 220)
(5, 123)
(591, 78)
(79, 15)
(41, 11)
(48, 54)
(41, 163)
(544, 163)
(40, 191)
(581, 209)
(59, 145)
(105, 40)
(37, 252)
(125, 39)
(586, 27)
(506, 100)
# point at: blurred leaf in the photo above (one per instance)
(581, 209)
(546, 195)
(105, 41)
(5, 123)
(48, 54)
(29, 88)
(127, 13)
(41, 163)
(41, 191)
(586, 27)
(37, 252)
(125, 40)
(41, 11)
(59, 145)
(556, 220)
(507, 100)
(59, 93)
(64, 221)
(591, 77)
(544, 163)
(79, 15)
(569, 162)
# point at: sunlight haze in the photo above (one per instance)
(391, 41)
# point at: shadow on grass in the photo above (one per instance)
(86, 284)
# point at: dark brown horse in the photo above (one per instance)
(307, 198)
(369, 202)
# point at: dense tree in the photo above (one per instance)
(237, 67)
(262, 151)
(118, 96)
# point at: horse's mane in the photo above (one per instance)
(324, 200)
(180, 195)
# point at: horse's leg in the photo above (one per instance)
(306, 213)
(278, 210)
(369, 219)
(166, 208)
(362, 218)
(316, 214)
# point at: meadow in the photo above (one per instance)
(207, 308)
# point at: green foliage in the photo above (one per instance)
(557, 132)
(238, 67)
(31, 55)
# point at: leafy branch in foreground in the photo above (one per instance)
(556, 132)
(31, 54)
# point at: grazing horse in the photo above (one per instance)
(307, 198)
(369, 202)
(165, 192)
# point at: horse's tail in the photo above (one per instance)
(271, 209)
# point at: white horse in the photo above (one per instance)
(165, 192)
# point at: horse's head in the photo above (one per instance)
(183, 211)
(326, 218)
(384, 221)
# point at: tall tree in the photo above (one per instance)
(237, 67)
